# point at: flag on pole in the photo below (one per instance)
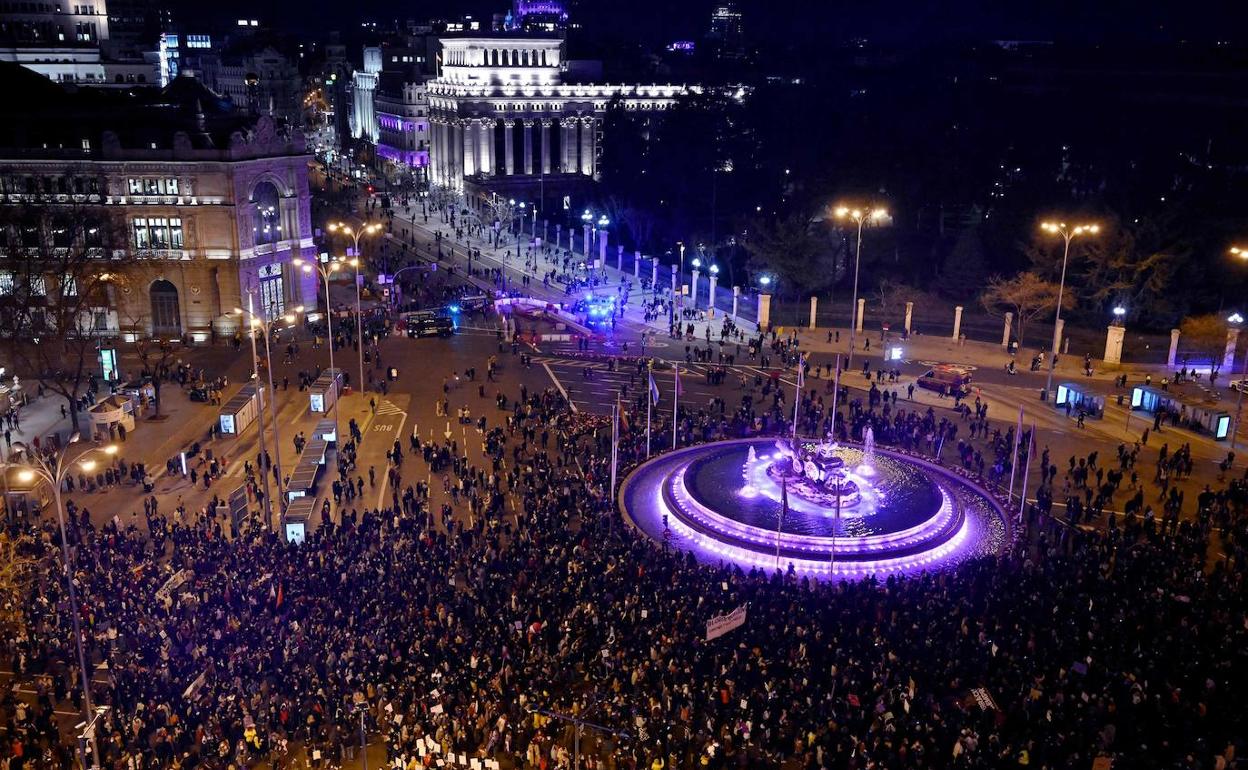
(654, 389)
(801, 372)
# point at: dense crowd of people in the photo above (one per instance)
(525, 591)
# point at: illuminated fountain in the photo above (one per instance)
(851, 510)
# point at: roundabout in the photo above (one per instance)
(824, 510)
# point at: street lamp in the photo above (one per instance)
(1237, 319)
(1068, 234)
(1119, 312)
(859, 216)
(355, 262)
(325, 271)
(265, 326)
(587, 222)
(54, 473)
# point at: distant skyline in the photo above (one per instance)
(918, 23)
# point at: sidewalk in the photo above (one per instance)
(514, 270)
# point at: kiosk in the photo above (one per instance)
(1149, 399)
(325, 391)
(241, 410)
(326, 430)
(298, 516)
(1075, 396)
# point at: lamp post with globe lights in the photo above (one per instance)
(264, 325)
(355, 235)
(1068, 233)
(52, 468)
(1237, 319)
(325, 271)
(859, 215)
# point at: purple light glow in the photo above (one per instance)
(967, 522)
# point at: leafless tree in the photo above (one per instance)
(66, 257)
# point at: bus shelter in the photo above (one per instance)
(1075, 397)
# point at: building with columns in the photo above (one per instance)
(364, 82)
(501, 115)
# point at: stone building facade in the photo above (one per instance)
(500, 108)
(206, 211)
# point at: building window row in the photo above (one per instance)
(36, 185)
(153, 186)
(158, 232)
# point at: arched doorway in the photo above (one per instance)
(266, 217)
(166, 315)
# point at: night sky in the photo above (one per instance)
(794, 22)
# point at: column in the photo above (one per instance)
(957, 322)
(569, 146)
(862, 311)
(587, 146)
(710, 297)
(1005, 331)
(736, 295)
(909, 316)
(1232, 339)
(439, 151)
(693, 292)
(654, 272)
(602, 247)
(485, 135)
(764, 311)
(619, 257)
(509, 161)
(1113, 343)
(545, 145)
(814, 307)
(1057, 335)
(1174, 348)
(470, 145)
(528, 147)
(637, 264)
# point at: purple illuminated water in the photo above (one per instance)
(722, 502)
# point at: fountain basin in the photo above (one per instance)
(887, 513)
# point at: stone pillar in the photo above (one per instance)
(1113, 343)
(693, 292)
(528, 147)
(469, 145)
(569, 146)
(637, 264)
(509, 160)
(736, 294)
(485, 135)
(585, 242)
(1057, 334)
(764, 311)
(710, 297)
(1232, 340)
(546, 146)
(862, 311)
(814, 307)
(1174, 348)
(1005, 332)
(587, 146)
(602, 247)
(909, 315)
(654, 272)
(957, 322)
(619, 257)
